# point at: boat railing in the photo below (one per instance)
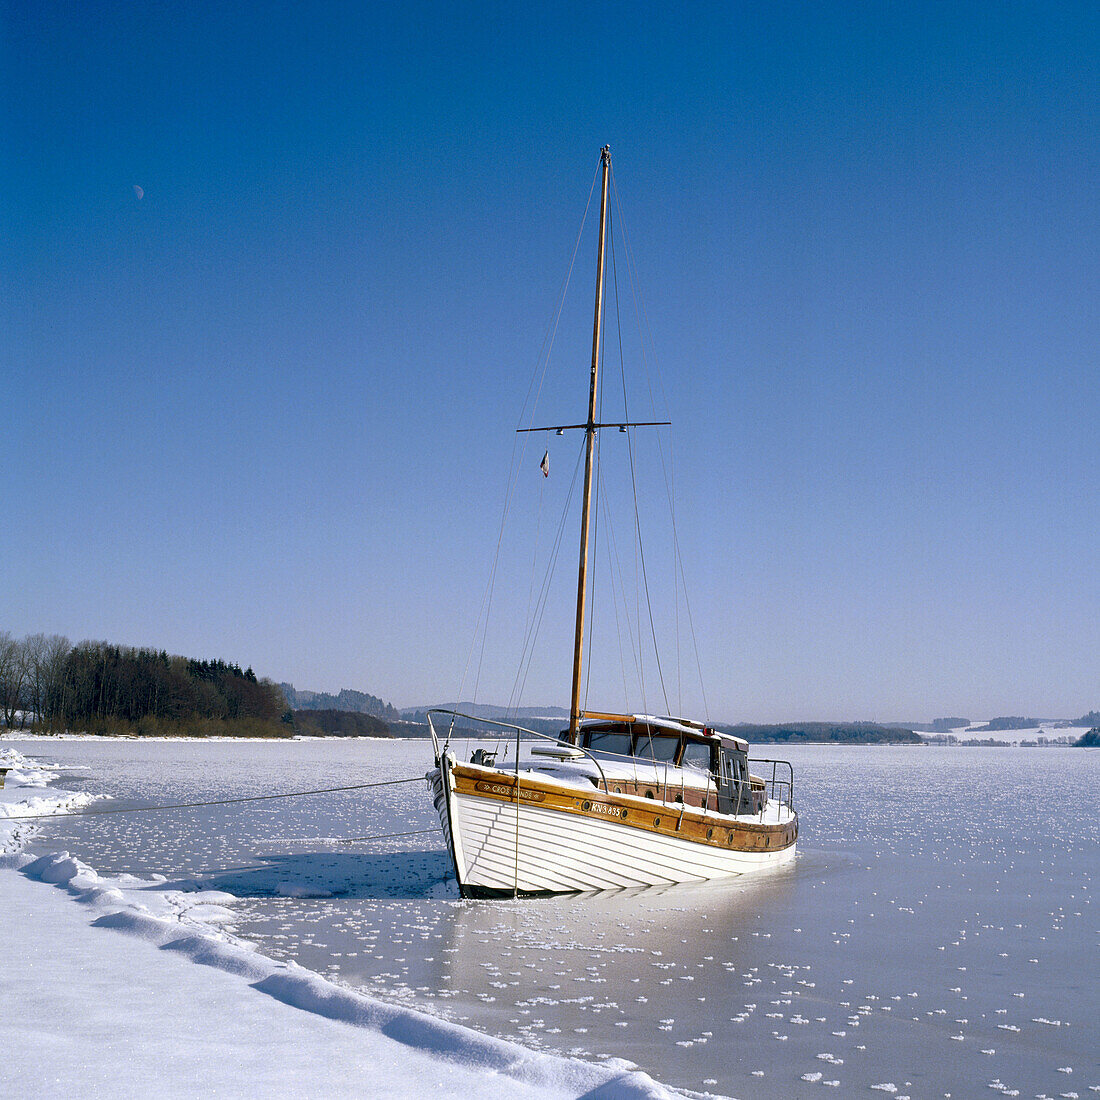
(668, 782)
(780, 784)
(519, 732)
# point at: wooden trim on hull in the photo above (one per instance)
(649, 815)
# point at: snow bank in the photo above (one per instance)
(409, 1052)
(27, 792)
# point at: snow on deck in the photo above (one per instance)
(633, 769)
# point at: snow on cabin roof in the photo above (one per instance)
(677, 725)
(737, 742)
(673, 725)
(680, 725)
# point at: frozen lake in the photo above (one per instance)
(934, 938)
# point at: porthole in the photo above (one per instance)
(767, 842)
(586, 806)
(656, 823)
(622, 813)
(649, 794)
(710, 834)
(618, 790)
(731, 836)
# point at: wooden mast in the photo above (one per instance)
(590, 441)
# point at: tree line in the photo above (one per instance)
(98, 687)
(853, 733)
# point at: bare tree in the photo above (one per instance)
(13, 672)
(34, 647)
(44, 661)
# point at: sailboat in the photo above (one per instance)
(616, 800)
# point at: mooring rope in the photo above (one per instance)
(212, 802)
(380, 836)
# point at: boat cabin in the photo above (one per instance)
(711, 768)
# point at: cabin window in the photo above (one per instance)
(733, 770)
(660, 748)
(615, 744)
(696, 756)
(726, 767)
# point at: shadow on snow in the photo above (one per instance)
(420, 874)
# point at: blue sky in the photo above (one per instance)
(265, 412)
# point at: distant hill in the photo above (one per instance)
(487, 710)
(848, 733)
(1092, 719)
(946, 725)
(939, 725)
(414, 723)
(1008, 723)
(357, 702)
(339, 723)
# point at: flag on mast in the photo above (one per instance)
(544, 465)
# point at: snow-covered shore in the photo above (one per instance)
(94, 1013)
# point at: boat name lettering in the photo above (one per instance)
(509, 792)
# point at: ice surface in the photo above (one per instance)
(81, 1004)
(933, 886)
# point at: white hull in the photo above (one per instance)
(560, 852)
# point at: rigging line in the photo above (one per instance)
(618, 623)
(345, 839)
(487, 601)
(638, 535)
(669, 471)
(516, 464)
(643, 318)
(644, 326)
(613, 556)
(676, 608)
(552, 328)
(534, 554)
(606, 511)
(482, 622)
(645, 574)
(550, 568)
(626, 416)
(379, 836)
(691, 626)
(542, 379)
(547, 349)
(527, 652)
(634, 489)
(211, 802)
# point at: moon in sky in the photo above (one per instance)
(139, 191)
